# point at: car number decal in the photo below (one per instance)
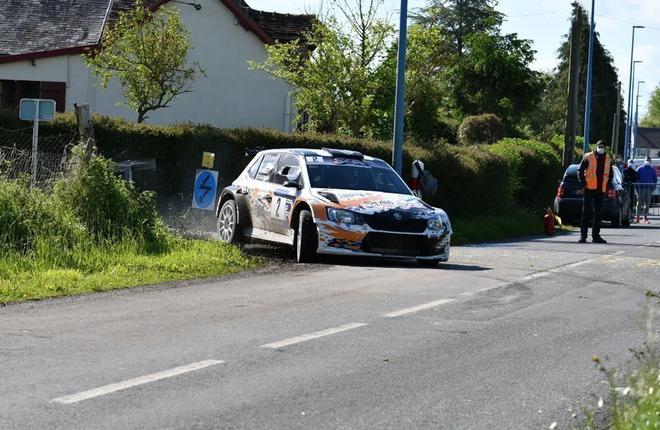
(280, 208)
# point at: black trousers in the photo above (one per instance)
(592, 208)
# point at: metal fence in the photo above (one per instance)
(53, 154)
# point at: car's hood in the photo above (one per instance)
(372, 202)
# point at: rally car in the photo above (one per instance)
(331, 201)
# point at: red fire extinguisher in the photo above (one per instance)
(549, 223)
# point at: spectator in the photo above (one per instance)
(596, 173)
(630, 178)
(645, 186)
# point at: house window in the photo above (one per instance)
(11, 92)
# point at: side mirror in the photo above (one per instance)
(293, 184)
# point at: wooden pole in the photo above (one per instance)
(573, 81)
(86, 129)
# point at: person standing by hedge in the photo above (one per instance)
(645, 186)
(595, 172)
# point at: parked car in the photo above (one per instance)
(616, 201)
(331, 201)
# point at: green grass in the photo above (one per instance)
(483, 228)
(123, 265)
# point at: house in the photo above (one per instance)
(648, 142)
(43, 40)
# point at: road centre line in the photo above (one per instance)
(111, 388)
(579, 263)
(418, 308)
(314, 335)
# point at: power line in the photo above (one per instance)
(648, 27)
(539, 14)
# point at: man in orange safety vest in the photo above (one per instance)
(595, 172)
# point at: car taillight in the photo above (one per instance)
(611, 193)
(561, 191)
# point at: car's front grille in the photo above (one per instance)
(405, 245)
(387, 221)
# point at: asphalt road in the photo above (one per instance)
(500, 337)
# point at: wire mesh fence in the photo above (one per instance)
(53, 154)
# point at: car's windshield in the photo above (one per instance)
(355, 177)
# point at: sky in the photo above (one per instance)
(546, 21)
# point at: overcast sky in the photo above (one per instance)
(545, 21)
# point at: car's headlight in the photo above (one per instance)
(436, 224)
(344, 217)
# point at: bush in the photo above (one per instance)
(479, 129)
(534, 169)
(110, 208)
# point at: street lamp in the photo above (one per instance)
(626, 141)
(636, 119)
(630, 111)
(590, 71)
(397, 147)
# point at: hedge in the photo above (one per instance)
(472, 179)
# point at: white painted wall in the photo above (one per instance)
(230, 95)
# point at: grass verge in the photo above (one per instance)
(483, 228)
(121, 265)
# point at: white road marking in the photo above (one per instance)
(618, 253)
(418, 308)
(315, 335)
(535, 276)
(111, 388)
(579, 263)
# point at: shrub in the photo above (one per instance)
(110, 208)
(485, 128)
(534, 169)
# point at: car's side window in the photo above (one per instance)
(255, 168)
(267, 167)
(288, 169)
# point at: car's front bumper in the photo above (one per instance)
(341, 239)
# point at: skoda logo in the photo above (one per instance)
(397, 216)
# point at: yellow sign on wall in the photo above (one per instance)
(208, 159)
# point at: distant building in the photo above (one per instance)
(648, 142)
(43, 40)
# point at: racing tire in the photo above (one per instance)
(228, 228)
(429, 263)
(307, 238)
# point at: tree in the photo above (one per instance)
(457, 19)
(494, 76)
(147, 53)
(335, 82)
(652, 117)
(605, 81)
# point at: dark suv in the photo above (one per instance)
(568, 202)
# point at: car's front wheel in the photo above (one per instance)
(429, 263)
(228, 229)
(307, 238)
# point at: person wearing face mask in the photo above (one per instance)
(630, 178)
(645, 186)
(595, 172)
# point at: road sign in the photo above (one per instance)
(31, 109)
(205, 190)
(36, 110)
(208, 158)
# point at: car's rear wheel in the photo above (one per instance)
(307, 238)
(229, 230)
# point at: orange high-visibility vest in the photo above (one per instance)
(590, 173)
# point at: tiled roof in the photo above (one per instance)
(648, 138)
(42, 26)
(282, 27)
(48, 25)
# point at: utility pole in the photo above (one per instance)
(397, 147)
(626, 140)
(634, 146)
(617, 121)
(573, 81)
(631, 111)
(590, 72)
